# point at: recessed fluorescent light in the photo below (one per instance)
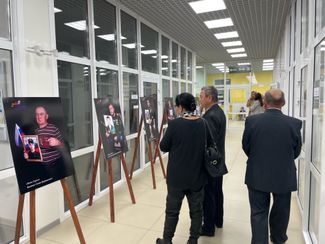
(164, 56)
(204, 6)
(79, 25)
(267, 68)
(244, 64)
(230, 44)
(173, 61)
(107, 37)
(226, 35)
(164, 68)
(199, 67)
(217, 23)
(218, 64)
(57, 10)
(239, 55)
(149, 52)
(322, 48)
(236, 50)
(129, 45)
(322, 43)
(268, 61)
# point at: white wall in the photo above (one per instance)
(39, 82)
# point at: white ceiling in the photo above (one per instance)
(259, 23)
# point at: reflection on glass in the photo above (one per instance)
(303, 102)
(304, 24)
(301, 180)
(318, 104)
(175, 89)
(79, 183)
(129, 41)
(175, 60)
(75, 93)
(107, 83)
(71, 27)
(6, 90)
(116, 167)
(131, 102)
(149, 49)
(314, 209)
(165, 53)
(105, 31)
(165, 89)
(189, 88)
(5, 20)
(189, 66)
(183, 63)
(183, 87)
(9, 205)
(129, 156)
(320, 15)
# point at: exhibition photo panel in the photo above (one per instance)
(111, 127)
(38, 141)
(149, 113)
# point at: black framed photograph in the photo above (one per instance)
(111, 127)
(169, 109)
(149, 113)
(38, 141)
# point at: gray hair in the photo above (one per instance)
(274, 97)
(211, 91)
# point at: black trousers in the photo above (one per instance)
(278, 219)
(173, 205)
(213, 204)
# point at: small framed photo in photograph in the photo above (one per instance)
(32, 150)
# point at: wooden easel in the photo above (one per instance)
(32, 214)
(110, 180)
(152, 159)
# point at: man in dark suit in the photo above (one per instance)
(213, 195)
(271, 141)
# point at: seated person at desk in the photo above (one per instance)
(242, 115)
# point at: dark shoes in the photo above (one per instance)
(219, 226)
(162, 241)
(192, 242)
(206, 233)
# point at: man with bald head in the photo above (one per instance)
(271, 141)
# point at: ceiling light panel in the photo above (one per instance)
(79, 25)
(239, 55)
(268, 61)
(244, 64)
(205, 6)
(219, 23)
(225, 35)
(236, 50)
(231, 44)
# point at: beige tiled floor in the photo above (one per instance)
(142, 222)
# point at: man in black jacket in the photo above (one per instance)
(213, 195)
(271, 142)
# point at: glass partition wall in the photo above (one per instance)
(105, 59)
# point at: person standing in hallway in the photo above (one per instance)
(250, 101)
(213, 194)
(186, 176)
(257, 105)
(271, 141)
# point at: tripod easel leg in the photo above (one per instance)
(72, 211)
(111, 190)
(152, 166)
(32, 219)
(158, 153)
(19, 217)
(126, 173)
(137, 141)
(95, 167)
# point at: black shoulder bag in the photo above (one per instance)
(213, 157)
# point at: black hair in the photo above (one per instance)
(258, 96)
(186, 100)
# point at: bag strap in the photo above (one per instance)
(206, 127)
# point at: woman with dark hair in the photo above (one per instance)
(257, 106)
(185, 142)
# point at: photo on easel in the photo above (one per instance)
(111, 127)
(169, 109)
(38, 141)
(149, 113)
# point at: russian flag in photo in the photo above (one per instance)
(18, 136)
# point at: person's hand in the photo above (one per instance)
(53, 142)
(25, 155)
